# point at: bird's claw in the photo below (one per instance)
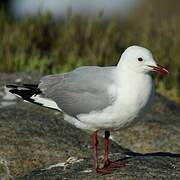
(114, 164)
(104, 170)
(109, 166)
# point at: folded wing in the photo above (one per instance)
(81, 91)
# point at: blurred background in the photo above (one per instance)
(52, 36)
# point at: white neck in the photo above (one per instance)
(125, 76)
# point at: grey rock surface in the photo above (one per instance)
(4, 170)
(147, 167)
(38, 144)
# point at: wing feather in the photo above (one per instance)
(80, 91)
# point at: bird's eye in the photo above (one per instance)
(140, 59)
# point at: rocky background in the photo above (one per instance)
(36, 143)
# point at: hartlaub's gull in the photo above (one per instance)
(94, 98)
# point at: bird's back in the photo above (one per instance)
(81, 91)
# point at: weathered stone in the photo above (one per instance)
(4, 170)
(35, 138)
(146, 167)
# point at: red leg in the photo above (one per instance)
(95, 143)
(106, 148)
(107, 161)
(103, 170)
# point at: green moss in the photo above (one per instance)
(2, 169)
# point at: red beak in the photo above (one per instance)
(160, 69)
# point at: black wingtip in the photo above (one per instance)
(30, 86)
(24, 90)
(11, 86)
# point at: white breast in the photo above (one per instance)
(132, 100)
(135, 99)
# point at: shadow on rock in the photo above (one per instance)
(160, 154)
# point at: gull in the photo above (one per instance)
(99, 98)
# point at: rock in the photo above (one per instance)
(32, 138)
(145, 167)
(38, 140)
(4, 170)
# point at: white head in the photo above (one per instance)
(140, 60)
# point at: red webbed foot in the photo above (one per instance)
(104, 170)
(114, 164)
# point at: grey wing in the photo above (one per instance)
(80, 91)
